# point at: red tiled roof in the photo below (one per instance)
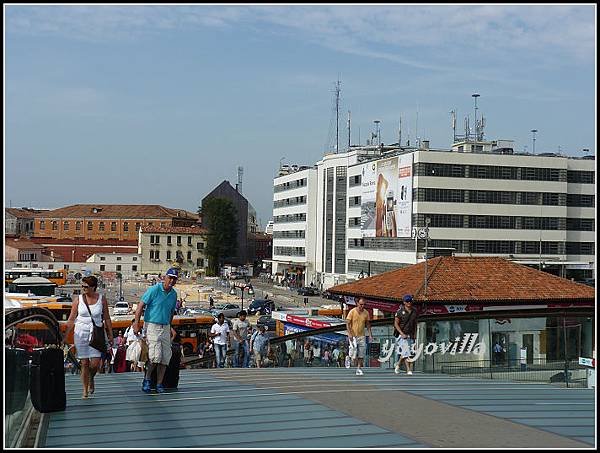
(23, 213)
(485, 279)
(174, 230)
(21, 243)
(118, 211)
(82, 241)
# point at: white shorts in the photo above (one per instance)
(404, 346)
(159, 343)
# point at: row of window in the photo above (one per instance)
(293, 234)
(155, 240)
(103, 258)
(290, 218)
(290, 185)
(289, 201)
(118, 267)
(90, 225)
(290, 251)
(505, 222)
(155, 255)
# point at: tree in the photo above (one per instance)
(219, 217)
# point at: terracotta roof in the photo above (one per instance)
(23, 213)
(174, 230)
(118, 211)
(72, 242)
(485, 279)
(21, 244)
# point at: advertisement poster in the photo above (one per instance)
(367, 208)
(404, 202)
(386, 195)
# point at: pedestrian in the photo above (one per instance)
(211, 302)
(87, 310)
(159, 302)
(356, 321)
(335, 355)
(405, 325)
(120, 340)
(241, 356)
(498, 350)
(308, 353)
(219, 332)
(259, 345)
(326, 357)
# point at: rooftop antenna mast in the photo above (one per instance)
(240, 177)
(349, 129)
(377, 132)
(337, 116)
(400, 132)
(453, 115)
(475, 96)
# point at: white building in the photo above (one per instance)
(160, 247)
(480, 197)
(128, 264)
(294, 210)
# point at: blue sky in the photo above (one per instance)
(159, 104)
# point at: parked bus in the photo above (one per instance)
(58, 276)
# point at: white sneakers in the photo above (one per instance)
(409, 373)
(397, 369)
(359, 372)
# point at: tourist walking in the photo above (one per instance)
(259, 345)
(219, 332)
(356, 321)
(159, 302)
(87, 310)
(405, 325)
(240, 326)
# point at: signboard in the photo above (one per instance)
(386, 197)
(586, 362)
(326, 337)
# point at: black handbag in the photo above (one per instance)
(97, 339)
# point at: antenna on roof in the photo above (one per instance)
(400, 132)
(337, 116)
(240, 177)
(348, 129)
(453, 115)
(475, 96)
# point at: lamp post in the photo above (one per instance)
(426, 237)
(242, 288)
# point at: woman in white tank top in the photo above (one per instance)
(82, 322)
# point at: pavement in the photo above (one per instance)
(322, 408)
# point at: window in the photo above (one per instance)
(65, 225)
(168, 254)
(54, 225)
(157, 255)
(118, 267)
(90, 226)
(118, 258)
(178, 240)
(134, 267)
(125, 226)
(102, 267)
(78, 225)
(200, 246)
(101, 226)
(102, 258)
(42, 225)
(190, 241)
(168, 240)
(113, 226)
(137, 226)
(189, 256)
(151, 254)
(135, 258)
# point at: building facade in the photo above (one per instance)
(107, 222)
(19, 221)
(480, 198)
(127, 264)
(162, 247)
(294, 223)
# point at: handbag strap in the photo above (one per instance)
(90, 311)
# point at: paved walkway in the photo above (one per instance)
(322, 407)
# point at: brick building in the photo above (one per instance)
(107, 222)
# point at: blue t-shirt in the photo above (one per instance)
(159, 304)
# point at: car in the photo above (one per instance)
(198, 312)
(229, 310)
(308, 291)
(121, 308)
(267, 321)
(261, 306)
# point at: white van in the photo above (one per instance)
(121, 308)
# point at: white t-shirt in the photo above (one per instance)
(222, 330)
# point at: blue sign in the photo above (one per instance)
(326, 337)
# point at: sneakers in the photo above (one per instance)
(409, 373)
(160, 388)
(146, 386)
(359, 372)
(348, 363)
(397, 369)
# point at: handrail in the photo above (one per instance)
(14, 316)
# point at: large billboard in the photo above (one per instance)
(386, 202)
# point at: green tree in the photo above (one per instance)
(220, 220)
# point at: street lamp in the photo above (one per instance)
(248, 287)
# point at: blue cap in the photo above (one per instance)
(172, 273)
(407, 298)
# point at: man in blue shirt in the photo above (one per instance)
(160, 301)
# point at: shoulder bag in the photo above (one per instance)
(97, 338)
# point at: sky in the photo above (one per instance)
(159, 104)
